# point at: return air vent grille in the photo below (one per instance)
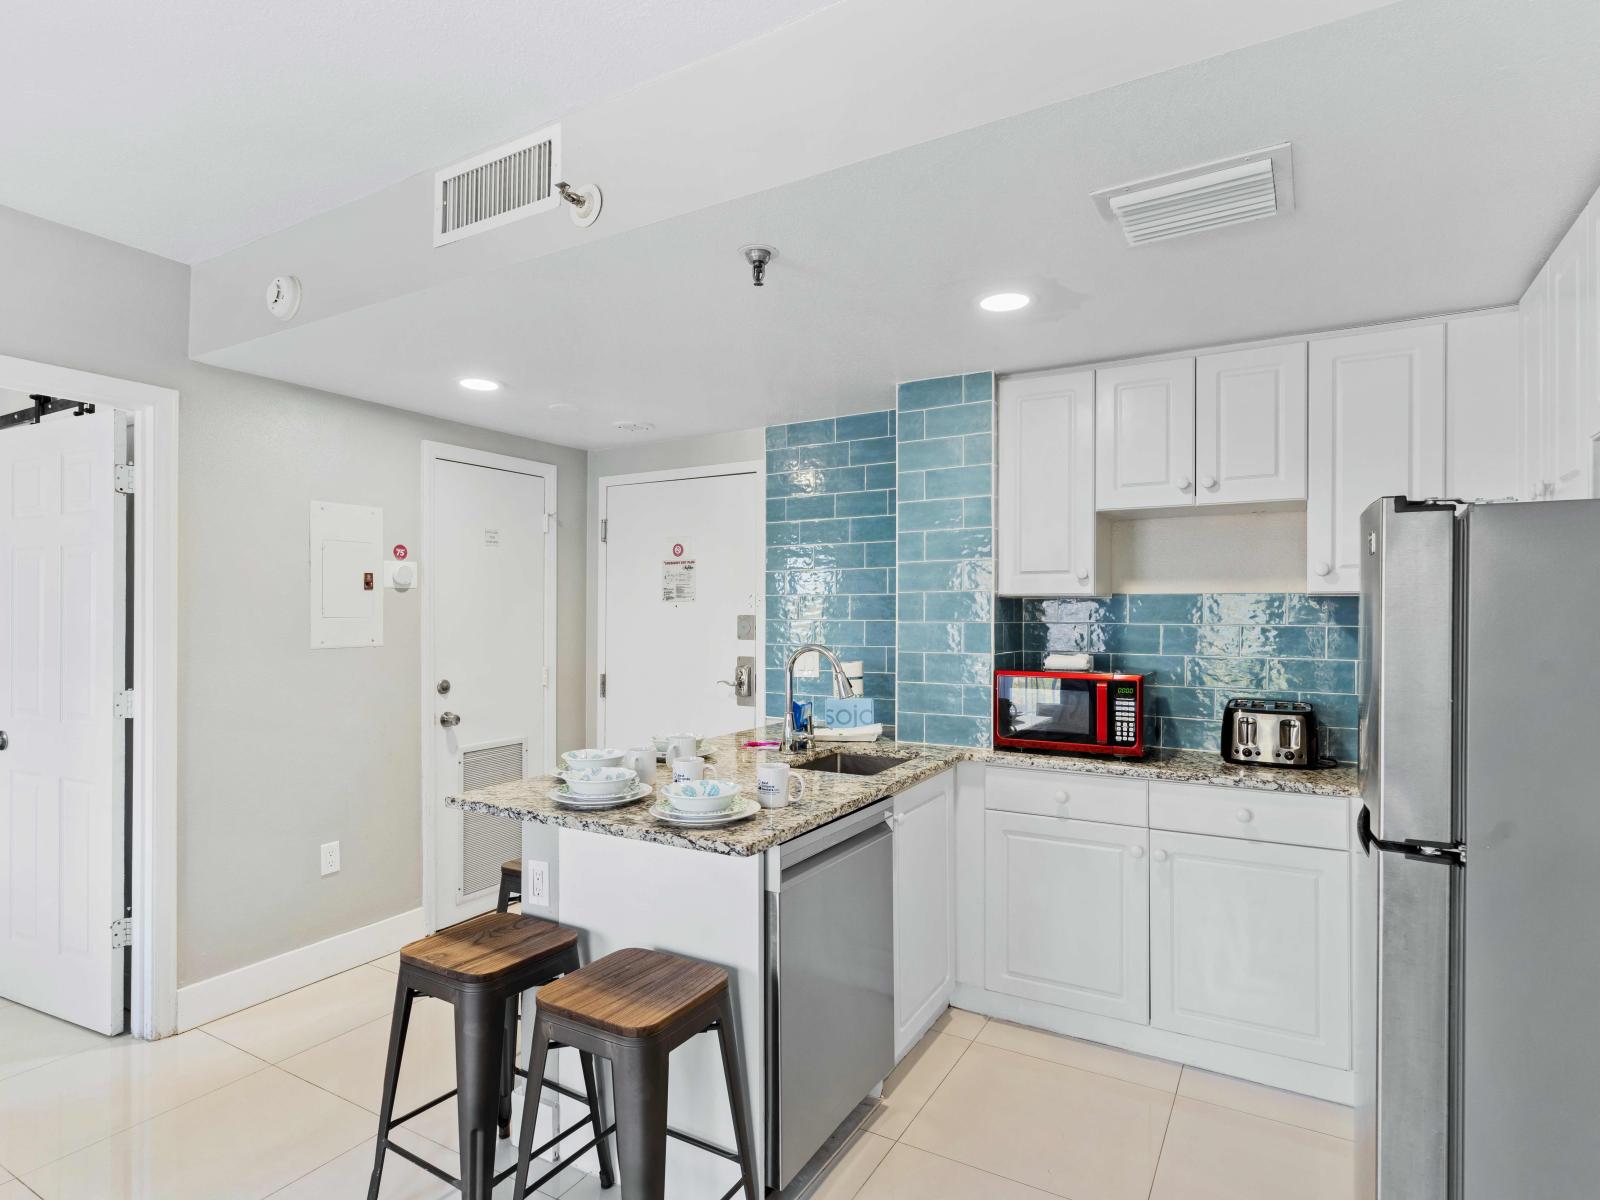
(495, 188)
(487, 839)
(1212, 196)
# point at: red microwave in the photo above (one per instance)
(1085, 712)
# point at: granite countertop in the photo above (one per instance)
(829, 796)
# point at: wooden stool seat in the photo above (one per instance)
(488, 948)
(634, 993)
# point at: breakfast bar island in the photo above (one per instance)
(848, 918)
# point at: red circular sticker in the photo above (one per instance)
(400, 550)
(677, 549)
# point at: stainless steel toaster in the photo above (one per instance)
(1269, 733)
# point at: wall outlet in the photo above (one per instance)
(538, 881)
(330, 857)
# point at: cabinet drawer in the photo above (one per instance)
(1046, 793)
(1289, 818)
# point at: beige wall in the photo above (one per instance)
(281, 748)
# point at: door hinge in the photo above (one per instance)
(122, 933)
(125, 704)
(602, 685)
(126, 478)
(604, 528)
(549, 521)
(546, 674)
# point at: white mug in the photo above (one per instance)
(776, 785)
(642, 762)
(689, 770)
(681, 747)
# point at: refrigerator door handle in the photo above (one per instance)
(1451, 854)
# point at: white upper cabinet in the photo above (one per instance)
(1067, 913)
(1484, 427)
(1568, 340)
(924, 906)
(1045, 500)
(1144, 435)
(1376, 429)
(1250, 945)
(1532, 325)
(1250, 425)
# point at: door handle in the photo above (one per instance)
(5, 739)
(449, 720)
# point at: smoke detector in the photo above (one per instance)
(1230, 191)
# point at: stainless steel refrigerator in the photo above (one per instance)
(1477, 898)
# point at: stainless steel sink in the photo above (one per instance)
(842, 763)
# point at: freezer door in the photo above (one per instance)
(1406, 669)
(1531, 960)
(1402, 1026)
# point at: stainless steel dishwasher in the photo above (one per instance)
(830, 981)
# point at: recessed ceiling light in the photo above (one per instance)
(1005, 302)
(479, 385)
(633, 426)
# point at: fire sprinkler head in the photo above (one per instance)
(758, 257)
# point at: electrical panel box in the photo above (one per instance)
(346, 560)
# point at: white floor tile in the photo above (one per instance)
(389, 963)
(351, 1065)
(298, 1020)
(1215, 1153)
(242, 1142)
(911, 1083)
(911, 1174)
(14, 1190)
(75, 1101)
(958, 1022)
(852, 1166)
(1087, 1056)
(347, 1177)
(1320, 1116)
(1053, 1127)
(29, 1039)
(5, 1175)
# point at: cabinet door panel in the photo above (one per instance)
(1144, 435)
(1250, 945)
(1250, 425)
(1068, 914)
(1485, 414)
(924, 906)
(1045, 499)
(1376, 429)
(1566, 448)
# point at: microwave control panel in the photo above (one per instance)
(1124, 715)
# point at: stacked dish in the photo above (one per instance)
(702, 804)
(573, 759)
(598, 787)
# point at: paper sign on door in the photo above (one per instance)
(677, 581)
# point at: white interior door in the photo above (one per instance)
(682, 563)
(491, 543)
(62, 785)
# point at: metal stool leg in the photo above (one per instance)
(480, 1029)
(398, 1025)
(608, 1172)
(733, 1070)
(508, 1069)
(538, 1054)
(640, 1100)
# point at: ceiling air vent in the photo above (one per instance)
(497, 187)
(1228, 192)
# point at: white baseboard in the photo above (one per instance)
(220, 995)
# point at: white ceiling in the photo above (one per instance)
(1440, 148)
(190, 127)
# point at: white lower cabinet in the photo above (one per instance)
(1067, 913)
(1250, 945)
(924, 906)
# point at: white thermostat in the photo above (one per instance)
(400, 576)
(283, 297)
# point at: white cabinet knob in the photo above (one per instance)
(1061, 799)
(1184, 483)
(1083, 574)
(1208, 482)
(1324, 568)
(1159, 855)
(1244, 816)
(1136, 851)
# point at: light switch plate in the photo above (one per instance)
(746, 627)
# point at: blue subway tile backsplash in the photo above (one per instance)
(831, 557)
(1198, 650)
(946, 559)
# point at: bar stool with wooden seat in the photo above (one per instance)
(510, 885)
(481, 967)
(633, 1008)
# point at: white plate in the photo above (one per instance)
(568, 800)
(741, 810)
